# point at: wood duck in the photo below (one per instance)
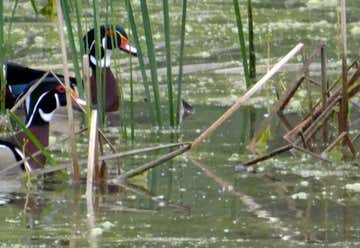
(40, 106)
(19, 78)
(112, 37)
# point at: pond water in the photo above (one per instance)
(198, 199)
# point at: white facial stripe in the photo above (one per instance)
(36, 106)
(27, 104)
(104, 43)
(48, 116)
(57, 100)
(104, 62)
(107, 61)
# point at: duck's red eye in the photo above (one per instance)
(60, 89)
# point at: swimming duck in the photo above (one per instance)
(112, 37)
(19, 77)
(40, 106)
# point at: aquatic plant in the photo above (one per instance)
(71, 40)
(141, 61)
(243, 48)
(152, 60)
(168, 62)
(181, 61)
(2, 55)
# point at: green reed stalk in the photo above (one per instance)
(242, 43)
(181, 62)
(141, 60)
(2, 60)
(33, 4)
(32, 137)
(252, 57)
(152, 60)
(99, 79)
(132, 105)
(78, 13)
(168, 62)
(71, 40)
(114, 43)
(12, 19)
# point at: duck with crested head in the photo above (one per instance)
(112, 37)
(19, 77)
(40, 106)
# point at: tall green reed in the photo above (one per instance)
(168, 62)
(71, 40)
(181, 62)
(11, 20)
(78, 12)
(100, 87)
(141, 60)
(132, 104)
(2, 60)
(252, 57)
(242, 43)
(152, 60)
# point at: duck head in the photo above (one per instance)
(112, 37)
(41, 104)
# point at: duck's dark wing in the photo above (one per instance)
(17, 74)
(19, 78)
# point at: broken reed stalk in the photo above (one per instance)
(331, 101)
(343, 113)
(315, 155)
(324, 90)
(277, 151)
(333, 144)
(246, 96)
(67, 165)
(92, 152)
(76, 169)
(309, 127)
(264, 157)
(152, 164)
(87, 89)
(280, 105)
(141, 150)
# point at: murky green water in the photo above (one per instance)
(198, 200)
